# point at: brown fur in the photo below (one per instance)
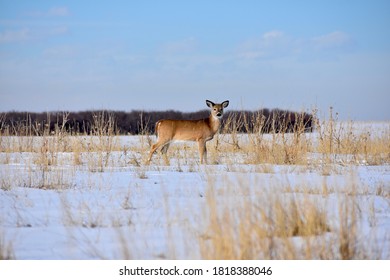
(200, 131)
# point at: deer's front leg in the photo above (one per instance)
(202, 151)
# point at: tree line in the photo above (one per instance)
(143, 122)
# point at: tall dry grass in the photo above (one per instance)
(45, 152)
(6, 249)
(242, 220)
(276, 225)
(332, 142)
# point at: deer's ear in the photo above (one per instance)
(209, 103)
(225, 103)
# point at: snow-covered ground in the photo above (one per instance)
(122, 208)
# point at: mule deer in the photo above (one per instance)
(200, 131)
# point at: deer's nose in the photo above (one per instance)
(219, 114)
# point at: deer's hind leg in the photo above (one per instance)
(164, 148)
(164, 145)
(155, 146)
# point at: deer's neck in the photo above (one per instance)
(214, 123)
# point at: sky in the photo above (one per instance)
(160, 55)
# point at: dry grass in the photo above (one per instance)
(6, 249)
(242, 221)
(279, 226)
(333, 142)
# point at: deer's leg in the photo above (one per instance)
(153, 149)
(165, 148)
(164, 151)
(202, 151)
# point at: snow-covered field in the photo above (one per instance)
(91, 204)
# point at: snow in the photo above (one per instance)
(129, 210)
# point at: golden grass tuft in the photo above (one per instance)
(275, 225)
(260, 229)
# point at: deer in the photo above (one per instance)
(200, 131)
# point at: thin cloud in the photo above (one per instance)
(181, 46)
(51, 12)
(57, 30)
(11, 36)
(333, 40)
(276, 44)
(272, 35)
(58, 12)
(31, 34)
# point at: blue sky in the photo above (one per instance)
(157, 55)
